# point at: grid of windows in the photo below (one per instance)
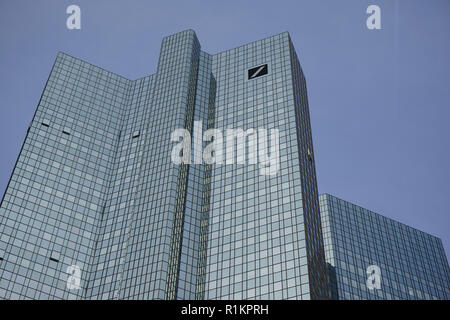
(52, 206)
(412, 263)
(313, 232)
(257, 243)
(94, 185)
(190, 244)
(113, 229)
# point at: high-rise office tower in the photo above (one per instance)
(370, 256)
(96, 208)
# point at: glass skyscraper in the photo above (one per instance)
(411, 264)
(96, 209)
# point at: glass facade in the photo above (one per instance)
(264, 239)
(94, 189)
(412, 264)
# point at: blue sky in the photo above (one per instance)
(379, 99)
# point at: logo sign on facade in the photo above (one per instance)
(257, 71)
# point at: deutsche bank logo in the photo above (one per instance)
(257, 71)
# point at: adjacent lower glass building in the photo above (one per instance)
(409, 264)
(96, 209)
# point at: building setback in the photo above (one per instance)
(95, 208)
(412, 264)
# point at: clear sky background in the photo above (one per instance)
(379, 99)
